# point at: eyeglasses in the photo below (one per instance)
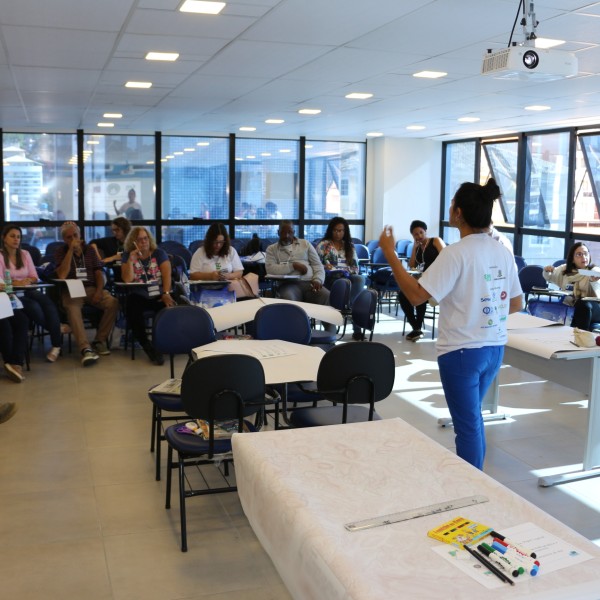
(581, 254)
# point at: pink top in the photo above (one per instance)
(28, 269)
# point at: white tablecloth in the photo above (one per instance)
(299, 487)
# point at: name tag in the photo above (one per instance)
(81, 272)
(153, 289)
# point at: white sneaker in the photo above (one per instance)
(88, 357)
(53, 354)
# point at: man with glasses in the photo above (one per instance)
(76, 260)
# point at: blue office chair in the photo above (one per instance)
(287, 322)
(556, 263)
(339, 298)
(195, 245)
(371, 245)
(531, 277)
(364, 312)
(350, 374)
(520, 262)
(227, 387)
(177, 249)
(34, 251)
(177, 330)
(401, 248)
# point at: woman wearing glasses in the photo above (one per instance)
(568, 278)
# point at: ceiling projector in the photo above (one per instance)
(528, 62)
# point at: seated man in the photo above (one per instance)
(75, 260)
(293, 256)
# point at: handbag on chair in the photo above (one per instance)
(245, 287)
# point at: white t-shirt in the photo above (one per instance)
(201, 263)
(473, 281)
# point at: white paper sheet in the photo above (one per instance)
(74, 287)
(5, 306)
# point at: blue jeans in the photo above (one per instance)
(466, 376)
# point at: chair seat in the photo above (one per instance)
(321, 337)
(329, 415)
(168, 402)
(194, 445)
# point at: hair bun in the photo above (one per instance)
(491, 189)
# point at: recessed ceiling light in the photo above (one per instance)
(308, 146)
(92, 142)
(265, 154)
(469, 119)
(547, 43)
(163, 160)
(170, 156)
(202, 7)
(284, 150)
(430, 74)
(374, 134)
(167, 56)
(358, 96)
(274, 121)
(139, 84)
(189, 149)
(250, 156)
(106, 124)
(178, 153)
(247, 128)
(149, 162)
(415, 127)
(238, 158)
(309, 111)
(112, 115)
(203, 144)
(538, 107)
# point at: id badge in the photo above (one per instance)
(153, 289)
(81, 273)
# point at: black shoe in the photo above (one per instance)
(357, 336)
(414, 335)
(156, 357)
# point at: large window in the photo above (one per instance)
(586, 201)
(501, 164)
(40, 176)
(119, 176)
(195, 178)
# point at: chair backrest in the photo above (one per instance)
(339, 294)
(223, 387)
(51, 250)
(362, 251)
(372, 244)
(357, 373)
(36, 255)
(172, 247)
(401, 246)
(355, 240)
(378, 256)
(409, 248)
(556, 263)
(364, 310)
(181, 328)
(520, 262)
(287, 322)
(532, 276)
(238, 244)
(266, 242)
(195, 245)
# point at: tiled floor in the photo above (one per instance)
(82, 517)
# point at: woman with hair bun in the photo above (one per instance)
(476, 285)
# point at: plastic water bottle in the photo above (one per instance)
(8, 287)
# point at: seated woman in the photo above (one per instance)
(568, 278)
(38, 307)
(110, 249)
(14, 335)
(216, 260)
(338, 256)
(144, 262)
(425, 251)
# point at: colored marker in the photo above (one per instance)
(498, 559)
(486, 563)
(525, 563)
(523, 558)
(495, 534)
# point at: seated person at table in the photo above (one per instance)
(76, 260)
(144, 262)
(37, 306)
(294, 256)
(110, 249)
(425, 251)
(216, 260)
(336, 252)
(14, 336)
(568, 278)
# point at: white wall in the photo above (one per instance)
(403, 184)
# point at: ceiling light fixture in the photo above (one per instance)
(469, 119)
(309, 111)
(203, 144)
(415, 127)
(430, 74)
(358, 96)
(92, 142)
(247, 128)
(139, 84)
(112, 115)
(106, 124)
(202, 7)
(274, 121)
(165, 56)
(374, 134)
(538, 107)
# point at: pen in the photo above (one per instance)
(484, 561)
(495, 534)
